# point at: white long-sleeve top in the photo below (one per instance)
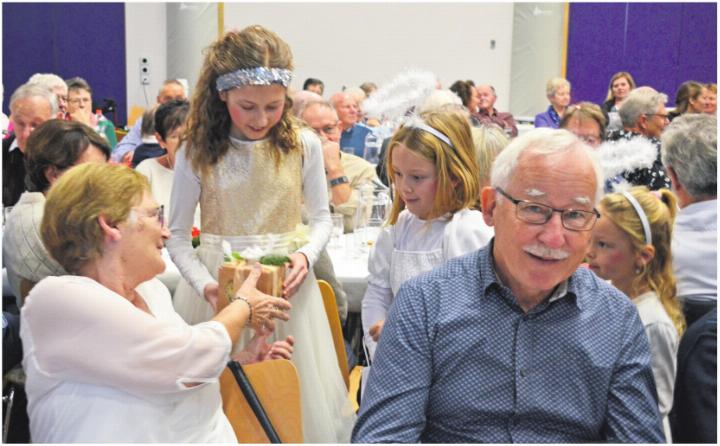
(101, 370)
(186, 194)
(664, 343)
(464, 233)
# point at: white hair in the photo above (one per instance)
(438, 99)
(29, 90)
(48, 80)
(542, 141)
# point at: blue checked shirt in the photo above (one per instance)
(459, 361)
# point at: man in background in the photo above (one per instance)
(171, 89)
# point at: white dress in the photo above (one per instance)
(664, 342)
(247, 199)
(161, 181)
(100, 370)
(412, 246)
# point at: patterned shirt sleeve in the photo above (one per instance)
(393, 407)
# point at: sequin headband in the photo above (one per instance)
(254, 76)
(417, 123)
(641, 214)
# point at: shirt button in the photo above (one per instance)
(523, 372)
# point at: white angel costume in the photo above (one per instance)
(247, 199)
(412, 246)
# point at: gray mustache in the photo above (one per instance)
(545, 252)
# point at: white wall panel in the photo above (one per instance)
(345, 44)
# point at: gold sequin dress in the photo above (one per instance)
(249, 200)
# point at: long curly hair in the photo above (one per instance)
(657, 274)
(209, 123)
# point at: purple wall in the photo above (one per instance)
(660, 44)
(68, 39)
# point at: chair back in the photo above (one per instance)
(277, 386)
(331, 310)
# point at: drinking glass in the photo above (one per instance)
(338, 228)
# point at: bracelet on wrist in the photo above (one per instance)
(250, 316)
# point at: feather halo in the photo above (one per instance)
(407, 90)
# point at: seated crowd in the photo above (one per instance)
(556, 284)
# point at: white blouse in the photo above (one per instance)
(161, 181)
(464, 233)
(664, 342)
(186, 195)
(101, 370)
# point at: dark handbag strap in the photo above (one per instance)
(253, 401)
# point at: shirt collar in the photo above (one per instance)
(487, 269)
(13, 145)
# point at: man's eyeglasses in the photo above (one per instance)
(327, 130)
(590, 139)
(539, 214)
(664, 116)
(78, 101)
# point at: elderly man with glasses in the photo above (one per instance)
(345, 172)
(514, 343)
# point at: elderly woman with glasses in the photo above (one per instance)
(107, 358)
(587, 121)
(80, 108)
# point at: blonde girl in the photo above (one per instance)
(631, 248)
(432, 166)
(250, 167)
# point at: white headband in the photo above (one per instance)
(641, 214)
(417, 123)
(254, 76)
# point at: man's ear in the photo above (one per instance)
(676, 185)
(111, 231)
(488, 202)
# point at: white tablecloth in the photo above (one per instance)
(350, 261)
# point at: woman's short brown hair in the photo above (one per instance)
(585, 110)
(70, 229)
(58, 144)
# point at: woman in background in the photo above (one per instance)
(586, 121)
(557, 91)
(691, 97)
(621, 83)
(79, 108)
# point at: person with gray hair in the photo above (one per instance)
(488, 114)
(514, 342)
(170, 89)
(557, 91)
(689, 152)
(54, 83)
(30, 106)
(644, 116)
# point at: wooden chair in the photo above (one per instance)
(277, 386)
(331, 310)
